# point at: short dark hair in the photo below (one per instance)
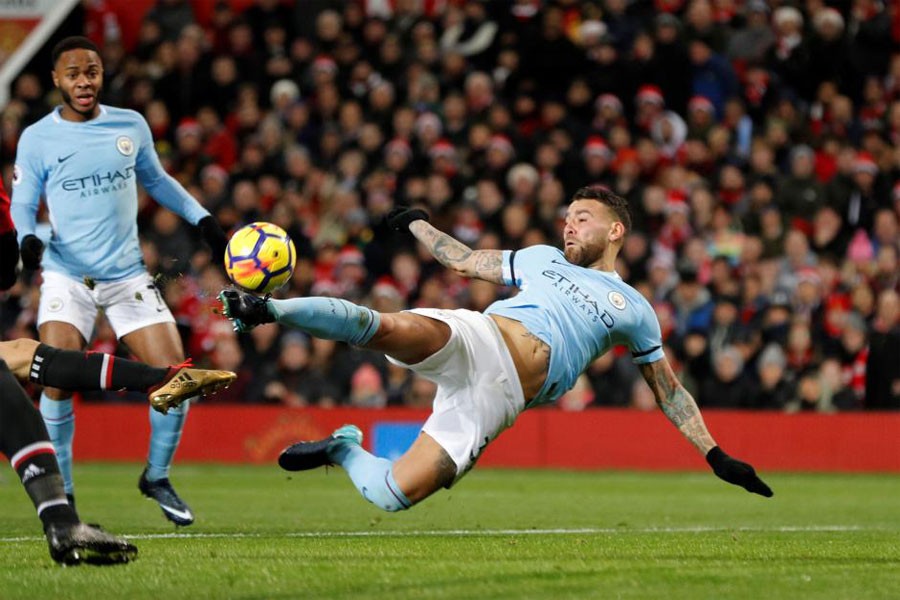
(617, 204)
(73, 42)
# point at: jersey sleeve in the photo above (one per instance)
(162, 186)
(645, 338)
(507, 269)
(516, 264)
(29, 177)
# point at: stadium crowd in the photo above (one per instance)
(758, 144)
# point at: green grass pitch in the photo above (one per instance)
(261, 533)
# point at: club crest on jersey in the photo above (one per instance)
(17, 175)
(617, 300)
(125, 145)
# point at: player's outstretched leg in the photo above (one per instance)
(24, 440)
(371, 475)
(76, 370)
(183, 381)
(325, 318)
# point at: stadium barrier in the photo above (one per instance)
(593, 439)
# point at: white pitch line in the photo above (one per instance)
(479, 532)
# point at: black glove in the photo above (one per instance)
(9, 259)
(400, 217)
(214, 237)
(736, 472)
(32, 249)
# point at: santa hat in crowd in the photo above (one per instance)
(400, 146)
(499, 141)
(188, 127)
(676, 202)
(429, 120)
(442, 149)
(864, 163)
(650, 94)
(324, 63)
(701, 103)
(595, 146)
(809, 275)
(608, 101)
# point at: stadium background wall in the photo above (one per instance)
(594, 439)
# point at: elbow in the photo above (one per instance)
(462, 271)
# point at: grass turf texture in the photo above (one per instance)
(261, 533)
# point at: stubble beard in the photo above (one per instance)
(578, 255)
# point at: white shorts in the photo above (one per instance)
(129, 304)
(478, 389)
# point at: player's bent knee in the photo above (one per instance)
(18, 355)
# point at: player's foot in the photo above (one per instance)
(303, 456)
(173, 507)
(71, 499)
(245, 311)
(73, 544)
(183, 382)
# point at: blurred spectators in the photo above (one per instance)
(758, 143)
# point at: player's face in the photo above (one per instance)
(590, 229)
(78, 74)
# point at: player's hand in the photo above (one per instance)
(32, 249)
(400, 217)
(214, 236)
(9, 259)
(737, 472)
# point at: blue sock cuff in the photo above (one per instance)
(395, 490)
(57, 410)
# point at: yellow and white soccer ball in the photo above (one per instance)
(260, 257)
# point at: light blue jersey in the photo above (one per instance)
(88, 173)
(580, 313)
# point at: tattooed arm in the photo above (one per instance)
(677, 404)
(453, 254)
(681, 409)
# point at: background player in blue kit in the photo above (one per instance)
(86, 159)
(521, 352)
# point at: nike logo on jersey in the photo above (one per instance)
(67, 157)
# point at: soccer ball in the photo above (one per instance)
(260, 257)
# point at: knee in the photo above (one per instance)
(57, 394)
(18, 355)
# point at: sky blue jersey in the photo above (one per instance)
(87, 173)
(580, 313)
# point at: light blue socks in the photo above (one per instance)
(59, 417)
(165, 433)
(371, 475)
(328, 318)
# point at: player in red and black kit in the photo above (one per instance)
(9, 249)
(23, 435)
(24, 441)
